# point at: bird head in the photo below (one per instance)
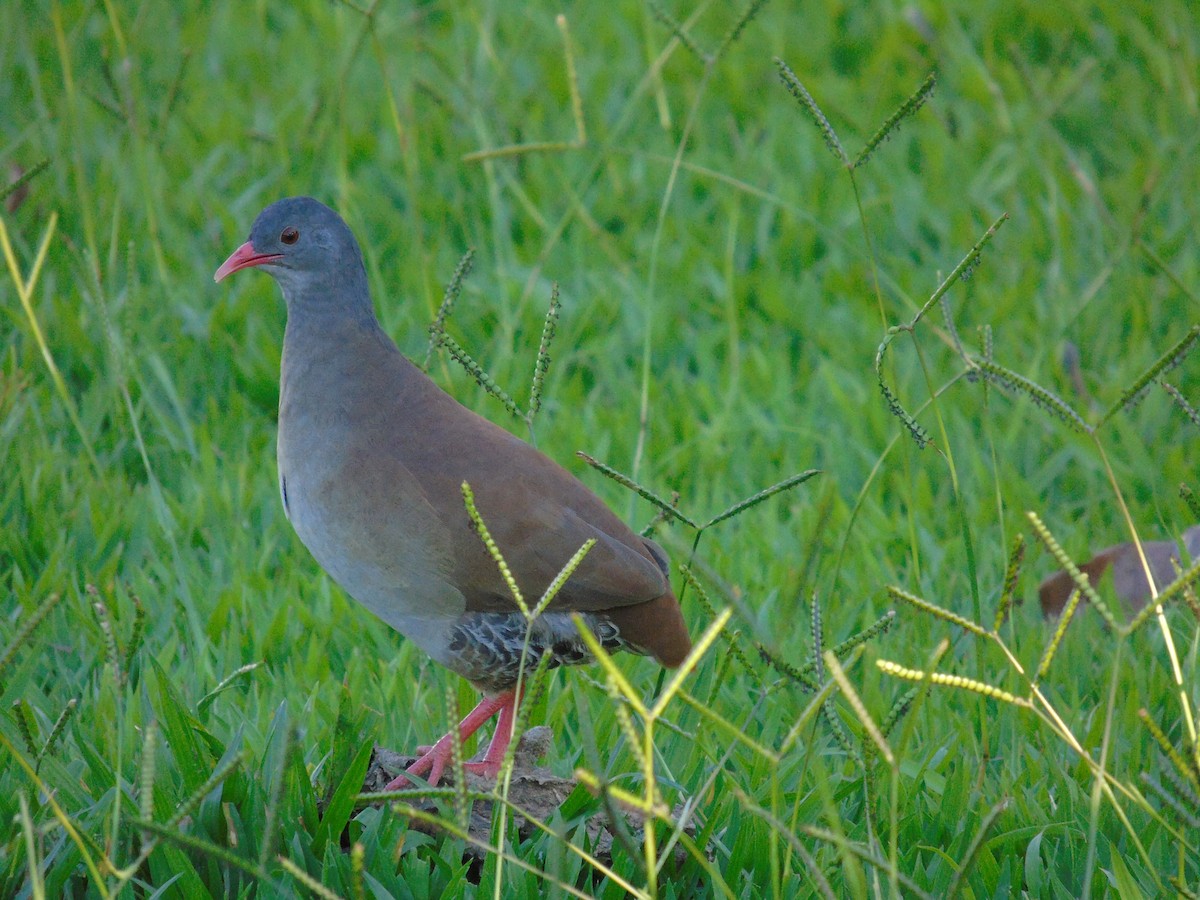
(306, 247)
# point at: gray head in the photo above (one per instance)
(306, 247)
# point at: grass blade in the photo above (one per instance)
(25, 288)
(1067, 564)
(908, 108)
(341, 804)
(967, 862)
(542, 364)
(800, 92)
(699, 648)
(627, 482)
(939, 612)
(764, 494)
(957, 681)
(493, 550)
(23, 179)
(1188, 410)
(1046, 400)
(28, 626)
(438, 327)
(1164, 364)
(476, 371)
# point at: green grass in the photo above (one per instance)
(725, 286)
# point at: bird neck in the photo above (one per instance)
(320, 345)
(323, 300)
(330, 320)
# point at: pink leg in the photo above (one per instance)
(435, 759)
(501, 738)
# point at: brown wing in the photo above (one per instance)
(539, 515)
(539, 545)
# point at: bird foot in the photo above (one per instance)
(433, 760)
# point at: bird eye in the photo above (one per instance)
(290, 235)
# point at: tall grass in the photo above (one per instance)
(866, 398)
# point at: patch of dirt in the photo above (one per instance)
(533, 788)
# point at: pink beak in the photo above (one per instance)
(244, 257)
